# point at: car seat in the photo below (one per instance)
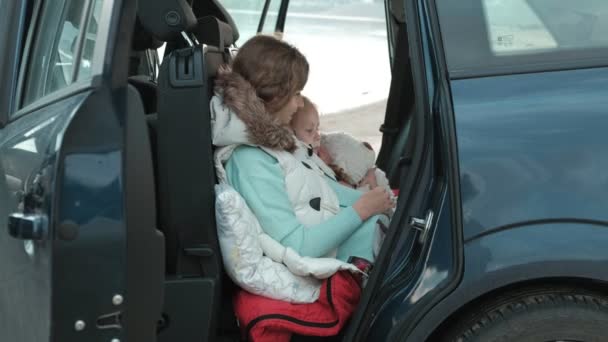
(185, 171)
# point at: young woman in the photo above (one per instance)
(255, 100)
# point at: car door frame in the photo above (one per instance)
(13, 33)
(443, 114)
(435, 117)
(415, 180)
(279, 24)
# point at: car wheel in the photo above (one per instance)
(548, 314)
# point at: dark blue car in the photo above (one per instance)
(494, 133)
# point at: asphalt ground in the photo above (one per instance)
(363, 122)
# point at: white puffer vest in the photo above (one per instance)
(313, 200)
(251, 258)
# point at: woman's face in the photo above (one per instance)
(286, 113)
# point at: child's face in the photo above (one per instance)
(305, 125)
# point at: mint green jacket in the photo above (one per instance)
(258, 177)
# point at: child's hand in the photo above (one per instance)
(376, 201)
(369, 179)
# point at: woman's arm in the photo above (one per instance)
(258, 177)
(347, 195)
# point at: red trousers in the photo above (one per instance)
(265, 319)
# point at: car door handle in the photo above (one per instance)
(28, 226)
(422, 225)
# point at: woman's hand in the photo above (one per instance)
(376, 201)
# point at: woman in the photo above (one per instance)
(302, 209)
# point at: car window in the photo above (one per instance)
(506, 36)
(520, 26)
(84, 71)
(346, 45)
(514, 27)
(51, 64)
(247, 14)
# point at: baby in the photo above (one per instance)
(305, 125)
(342, 157)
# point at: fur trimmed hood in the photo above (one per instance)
(239, 116)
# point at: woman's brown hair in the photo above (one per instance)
(275, 69)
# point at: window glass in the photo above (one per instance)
(520, 26)
(346, 45)
(496, 36)
(513, 26)
(89, 43)
(51, 59)
(575, 24)
(247, 13)
(345, 42)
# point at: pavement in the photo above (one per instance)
(363, 122)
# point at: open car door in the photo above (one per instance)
(418, 157)
(80, 257)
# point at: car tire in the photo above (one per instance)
(546, 314)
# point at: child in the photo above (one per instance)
(305, 125)
(341, 157)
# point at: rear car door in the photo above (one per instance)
(67, 185)
(531, 75)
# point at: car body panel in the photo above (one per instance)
(57, 150)
(532, 147)
(532, 184)
(399, 311)
(91, 187)
(62, 158)
(556, 253)
(29, 147)
(532, 176)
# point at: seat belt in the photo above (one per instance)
(186, 172)
(398, 105)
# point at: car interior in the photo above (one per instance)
(182, 155)
(174, 255)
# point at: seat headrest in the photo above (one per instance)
(226, 18)
(214, 58)
(143, 40)
(166, 19)
(214, 32)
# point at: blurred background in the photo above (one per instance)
(346, 45)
